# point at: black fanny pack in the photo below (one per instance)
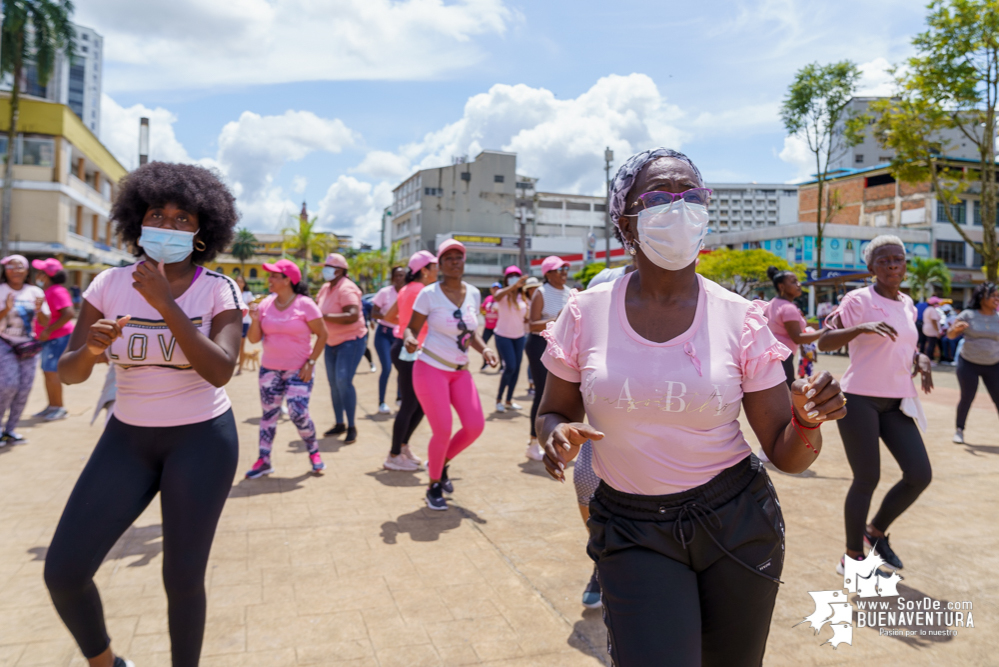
(26, 350)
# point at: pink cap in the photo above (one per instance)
(552, 263)
(288, 268)
(15, 258)
(450, 244)
(49, 267)
(933, 300)
(513, 268)
(420, 259)
(336, 260)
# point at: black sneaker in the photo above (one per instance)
(591, 596)
(121, 662)
(435, 497)
(336, 430)
(880, 544)
(446, 484)
(351, 436)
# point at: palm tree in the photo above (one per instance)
(923, 273)
(243, 248)
(306, 243)
(32, 30)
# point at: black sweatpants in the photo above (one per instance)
(535, 348)
(671, 596)
(410, 411)
(867, 418)
(192, 468)
(967, 378)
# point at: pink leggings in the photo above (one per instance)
(438, 390)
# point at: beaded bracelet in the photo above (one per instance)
(798, 426)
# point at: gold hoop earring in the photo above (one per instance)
(199, 245)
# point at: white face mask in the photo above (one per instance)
(511, 279)
(671, 235)
(329, 273)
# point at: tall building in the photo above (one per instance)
(869, 153)
(75, 82)
(736, 206)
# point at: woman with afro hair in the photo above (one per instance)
(172, 329)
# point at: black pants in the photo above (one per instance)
(535, 348)
(192, 467)
(967, 378)
(671, 596)
(410, 411)
(921, 339)
(930, 346)
(867, 418)
(486, 335)
(788, 365)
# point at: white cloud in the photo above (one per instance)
(384, 165)
(120, 133)
(298, 184)
(205, 43)
(875, 81)
(561, 142)
(797, 153)
(355, 207)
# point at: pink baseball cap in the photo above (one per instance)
(15, 258)
(49, 267)
(420, 259)
(450, 244)
(552, 263)
(288, 268)
(513, 268)
(336, 260)
(933, 300)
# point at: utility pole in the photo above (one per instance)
(523, 240)
(608, 158)
(143, 141)
(385, 214)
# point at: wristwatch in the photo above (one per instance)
(311, 362)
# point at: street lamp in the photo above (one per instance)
(608, 158)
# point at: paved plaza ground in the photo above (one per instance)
(352, 569)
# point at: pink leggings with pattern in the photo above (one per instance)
(278, 385)
(438, 390)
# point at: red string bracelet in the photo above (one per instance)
(799, 428)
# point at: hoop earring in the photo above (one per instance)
(199, 245)
(631, 249)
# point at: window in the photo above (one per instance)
(524, 186)
(884, 158)
(576, 206)
(550, 204)
(466, 176)
(858, 158)
(951, 252)
(219, 269)
(880, 179)
(498, 178)
(37, 151)
(253, 273)
(602, 208)
(956, 211)
(978, 214)
(977, 260)
(433, 192)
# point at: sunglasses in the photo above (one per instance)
(466, 334)
(699, 196)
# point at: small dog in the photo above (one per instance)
(250, 359)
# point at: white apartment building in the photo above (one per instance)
(740, 206)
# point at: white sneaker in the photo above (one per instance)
(383, 409)
(44, 412)
(514, 406)
(500, 407)
(401, 463)
(534, 450)
(408, 453)
(54, 414)
(959, 436)
(374, 369)
(284, 410)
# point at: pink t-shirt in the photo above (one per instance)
(777, 313)
(384, 299)
(57, 297)
(669, 411)
(878, 366)
(490, 307)
(405, 300)
(287, 338)
(510, 322)
(335, 299)
(156, 384)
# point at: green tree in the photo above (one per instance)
(743, 271)
(243, 248)
(923, 273)
(952, 83)
(585, 275)
(307, 244)
(33, 31)
(815, 109)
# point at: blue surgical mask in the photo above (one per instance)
(166, 245)
(329, 273)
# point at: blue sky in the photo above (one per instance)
(336, 101)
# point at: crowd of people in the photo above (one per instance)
(640, 378)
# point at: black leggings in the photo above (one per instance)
(410, 411)
(671, 596)
(788, 365)
(868, 417)
(535, 348)
(967, 378)
(192, 467)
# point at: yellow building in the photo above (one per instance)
(64, 182)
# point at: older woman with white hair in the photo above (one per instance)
(878, 323)
(685, 527)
